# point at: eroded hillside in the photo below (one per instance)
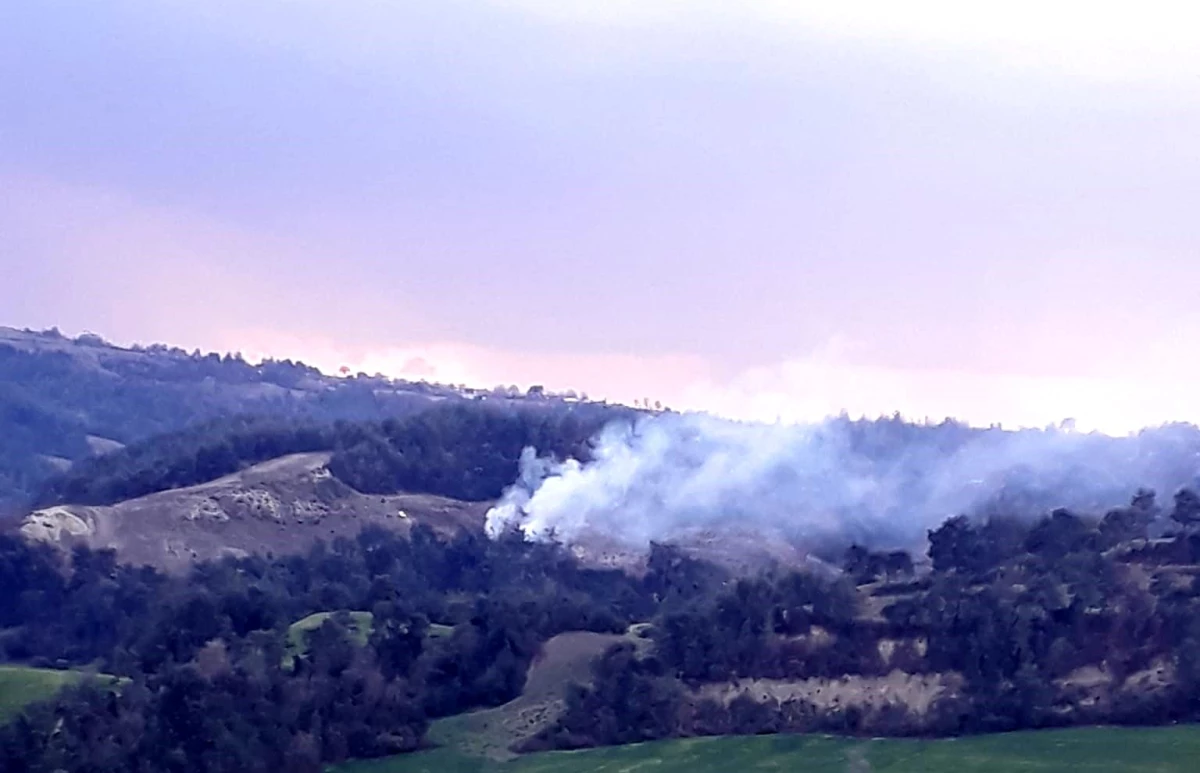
(278, 507)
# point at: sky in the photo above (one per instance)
(768, 209)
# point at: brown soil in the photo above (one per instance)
(278, 507)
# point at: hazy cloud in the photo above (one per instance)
(820, 485)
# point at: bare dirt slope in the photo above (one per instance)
(278, 507)
(491, 733)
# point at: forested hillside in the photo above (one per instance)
(274, 485)
(66, 404)
(454, 626)
(1021, 622)
(458, 449)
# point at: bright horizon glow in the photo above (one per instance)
(800, 391)
(805, 391)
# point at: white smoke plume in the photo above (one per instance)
(881, 484)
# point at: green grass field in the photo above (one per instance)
(361, 624)
(1085, 750)
(20, 686)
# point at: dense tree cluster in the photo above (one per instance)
(185, 458)
(233, 709)
(462, 451)
(204, 654)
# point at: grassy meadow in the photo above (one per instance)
(1081, 750)
(20, 686)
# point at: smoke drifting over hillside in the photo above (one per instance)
(882, 484)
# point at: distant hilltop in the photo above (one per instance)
(95, 349)
(64, 400)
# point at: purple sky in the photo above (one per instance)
(783, 210)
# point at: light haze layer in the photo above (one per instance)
(881, 484)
